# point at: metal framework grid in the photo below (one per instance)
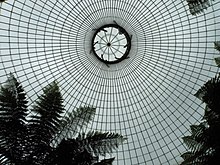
(147, 97)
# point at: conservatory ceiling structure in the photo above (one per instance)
(139, 62)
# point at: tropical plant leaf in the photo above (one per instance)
(191, 158)
(198, 6)
(13, 111)
(200, 132)
(200, 94)
(197, 158)
(4, 160)
(199, 151)
(212, 97)
(204, 141)
(196, 130)
(13, 103)
(209, 93)
(5, 155)
(101, 143)
(217, 61)
(74, 153)
(192, 144)
(75, 121)
(84, 158)
(24, 142)
(217, 45)
(187, 155)
(105, 162)
(46, 123)
(210, 116)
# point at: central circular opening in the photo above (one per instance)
(111, 43)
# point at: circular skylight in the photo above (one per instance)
(111, 43)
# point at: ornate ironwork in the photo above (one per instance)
(111, 43)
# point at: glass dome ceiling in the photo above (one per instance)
(147, 96)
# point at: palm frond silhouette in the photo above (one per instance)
(48, 138)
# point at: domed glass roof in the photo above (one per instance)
(142, 86)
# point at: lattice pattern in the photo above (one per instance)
(147, 97)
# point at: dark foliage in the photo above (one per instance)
(31, 142)
(13, 110)
(198, 6)
(204, 141)
(217, 45)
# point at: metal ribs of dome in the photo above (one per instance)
(147, 97)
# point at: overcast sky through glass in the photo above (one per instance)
(147, 97)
